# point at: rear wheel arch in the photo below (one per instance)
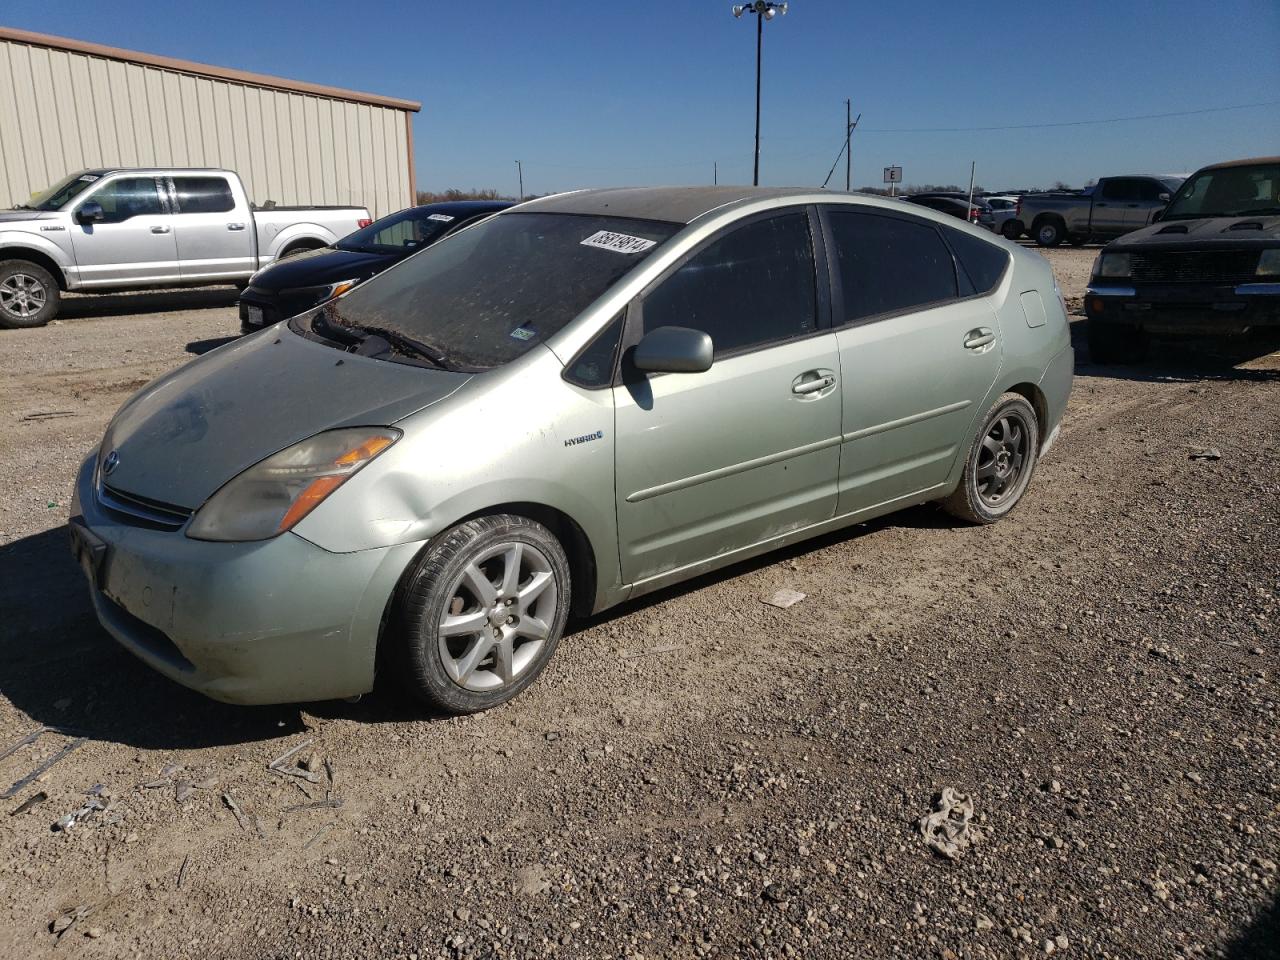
(300, 246)
(1039, 403)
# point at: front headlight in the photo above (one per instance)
(273, 495)
(1112, 265)
(1269, 263)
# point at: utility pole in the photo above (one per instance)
(715, 173)
(848, 151)
(973, 165)
(520, 174)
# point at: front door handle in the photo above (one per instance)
(979, 338)
(160, 228)
(235, 226)
(812, 382)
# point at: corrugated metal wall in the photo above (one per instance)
(62, 111)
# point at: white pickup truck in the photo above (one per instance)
(100, 231)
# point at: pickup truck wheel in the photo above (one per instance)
(1000, 461)
(1049, 233)
(29, 296)
(1115, 343)
(482, 612)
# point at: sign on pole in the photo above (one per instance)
(892, 174)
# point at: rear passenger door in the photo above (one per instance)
(1113, 207)
(919, 349)
(712, 462)
(215, 239)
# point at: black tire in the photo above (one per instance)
(1049, 233)
(439, 581)
(1115, 343)
(1011, 229)
(29, 295)
(988, 491)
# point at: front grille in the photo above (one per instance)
(142, 511)
(1194, 266)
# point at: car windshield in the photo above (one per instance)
(64, 191)
(406, 230)
(486, 295)
(1228, 192)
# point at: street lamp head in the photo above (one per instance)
(738, 9)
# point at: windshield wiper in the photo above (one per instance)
(397, 341)
(23, 206)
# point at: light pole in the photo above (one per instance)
(520, 174)
(764, 10)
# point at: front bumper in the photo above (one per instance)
(263, 308)
(275, 621)
(1184, 308)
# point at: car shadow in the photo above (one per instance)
(60, 668)
(1261, 939)
(1190, 360)
(201, 347)
(78, 307)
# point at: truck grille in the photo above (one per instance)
(1194, 266)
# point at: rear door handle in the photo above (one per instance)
(979, 338)
(814, 381)
(235, 226)
(160, 228)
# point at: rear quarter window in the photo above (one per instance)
(984, 263)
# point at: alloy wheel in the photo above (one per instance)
(22, 295)
(1001, 459)
(497, 617)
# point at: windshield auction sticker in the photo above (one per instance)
(441, 217)
(618, 242)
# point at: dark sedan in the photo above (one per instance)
(977, 212)
(305, 281)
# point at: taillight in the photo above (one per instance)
(973, 214)
(362, 223)
(1017, 208)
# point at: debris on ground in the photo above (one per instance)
(784, 598)
(41, 768)
(1205, 453)
(278, 767)
(946, 830)
(182, 870)
(28, 803)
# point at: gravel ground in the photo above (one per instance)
(698, 774)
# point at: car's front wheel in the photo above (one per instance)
(1000, 461)
(482, 612)
(29, 296)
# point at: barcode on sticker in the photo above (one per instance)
(617, 242)
(442, 217)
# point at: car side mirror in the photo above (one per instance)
(1165, 198)
(674, 350)
(90, 212)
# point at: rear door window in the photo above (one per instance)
(203, 195)
(984, 263)
(753, 286)
(889, 264)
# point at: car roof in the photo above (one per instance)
(460, 207)
(672, 204)
(1252, 161)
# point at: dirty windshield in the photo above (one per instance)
(1240, 191)
(484, 296)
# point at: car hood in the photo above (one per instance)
(185, 435)
(1232, 230)
(326, 265)
(13, 216)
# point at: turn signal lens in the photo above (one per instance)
(338, 289)
(274, 495)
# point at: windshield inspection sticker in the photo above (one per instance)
(88, 178)
(523, 333)
(442, 217)
(618, 242)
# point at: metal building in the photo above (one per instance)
(66, 105)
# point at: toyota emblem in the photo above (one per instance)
(109, 464)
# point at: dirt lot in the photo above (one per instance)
(1098, 672)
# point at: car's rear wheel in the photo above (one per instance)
(1000, 462)
(482, 613)
(29, 295)
(1115, 343)
(1049, 233)
(1011, 229)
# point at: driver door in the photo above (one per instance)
(133, 243)
(713, 462)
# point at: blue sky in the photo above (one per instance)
(600, 93)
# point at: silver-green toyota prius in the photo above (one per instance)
(580, 400)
